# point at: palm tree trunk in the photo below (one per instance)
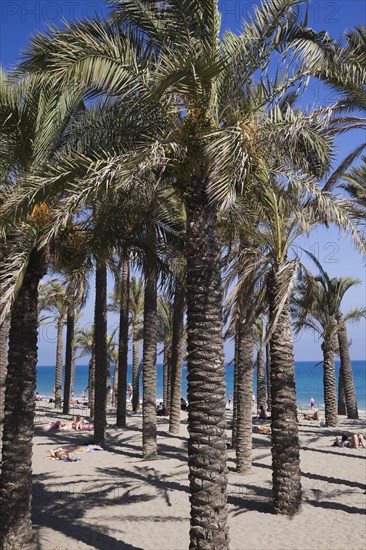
(166, 368)
(235, 396)
(342, 409)
(70, 335)
(346, 366)
(268, 376)
(73, 363)
(123, 343)
(285, 437)
(16, 470)
(4, 332)
(245, 391)
(177, 359)
(261, 379)
(149, 360)
(135, 372)
(91, 385)
(101, 359)
(330, 396)
(207, 451)
(59, 352)
(115, 385)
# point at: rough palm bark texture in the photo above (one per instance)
(149, 360)
(207, 452)
(70, 336)
(330, 395)
(123, 343)
(346, 366)
(115, 386)
(341, 408)
(286, 473)
(177, 359)
(268, 376)
(245, 391)
(101, 359)
(261, 379)
(91, 385)
(4, 331)
(235, 396)
(16, 472)
(59, 351)
(135, 372)
(166, 374)
(73, 361)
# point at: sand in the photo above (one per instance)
(113, 499)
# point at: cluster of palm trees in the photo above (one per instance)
(149, 138)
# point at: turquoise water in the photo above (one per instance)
(309, 381)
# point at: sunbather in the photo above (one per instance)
(68, 454)
(353, 441)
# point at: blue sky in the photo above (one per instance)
(19, 19)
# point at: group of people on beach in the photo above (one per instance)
(76, 423)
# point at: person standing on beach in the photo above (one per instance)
(312, 402)
(130, 393)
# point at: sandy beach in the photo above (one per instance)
(113, 499)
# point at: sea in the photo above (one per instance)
(308, 376)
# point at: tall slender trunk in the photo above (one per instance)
(123, 343)
(235, 396)
(261, 379)
(330, 396)
(207, 451)
(285, 437)
(70, 336)
(177, 358)
(268, 376)
(245, 391)
(16, 471)
(59, 352)
(149, 360)
(101, 359)
(346, 365)
(91, 385)
(108, 393)
(341, 408)
(4, 331)
(135, 371)
(166, 368)
(115, 385)
(73, 363)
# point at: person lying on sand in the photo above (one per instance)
(312, 416)
(77, 423)
(261, 429)
(353, 441)
(53, 426)
(67, 454)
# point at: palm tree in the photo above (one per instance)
(136, 312)
(285, 213)
(177, 355)
(261, 379)
(165, 332)
(53, 299)
(355, 185)
(149, 357)
(121, 297)
(34, 118)
(318, 307)
(345, 72)
(84, 342)
(168, 57)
